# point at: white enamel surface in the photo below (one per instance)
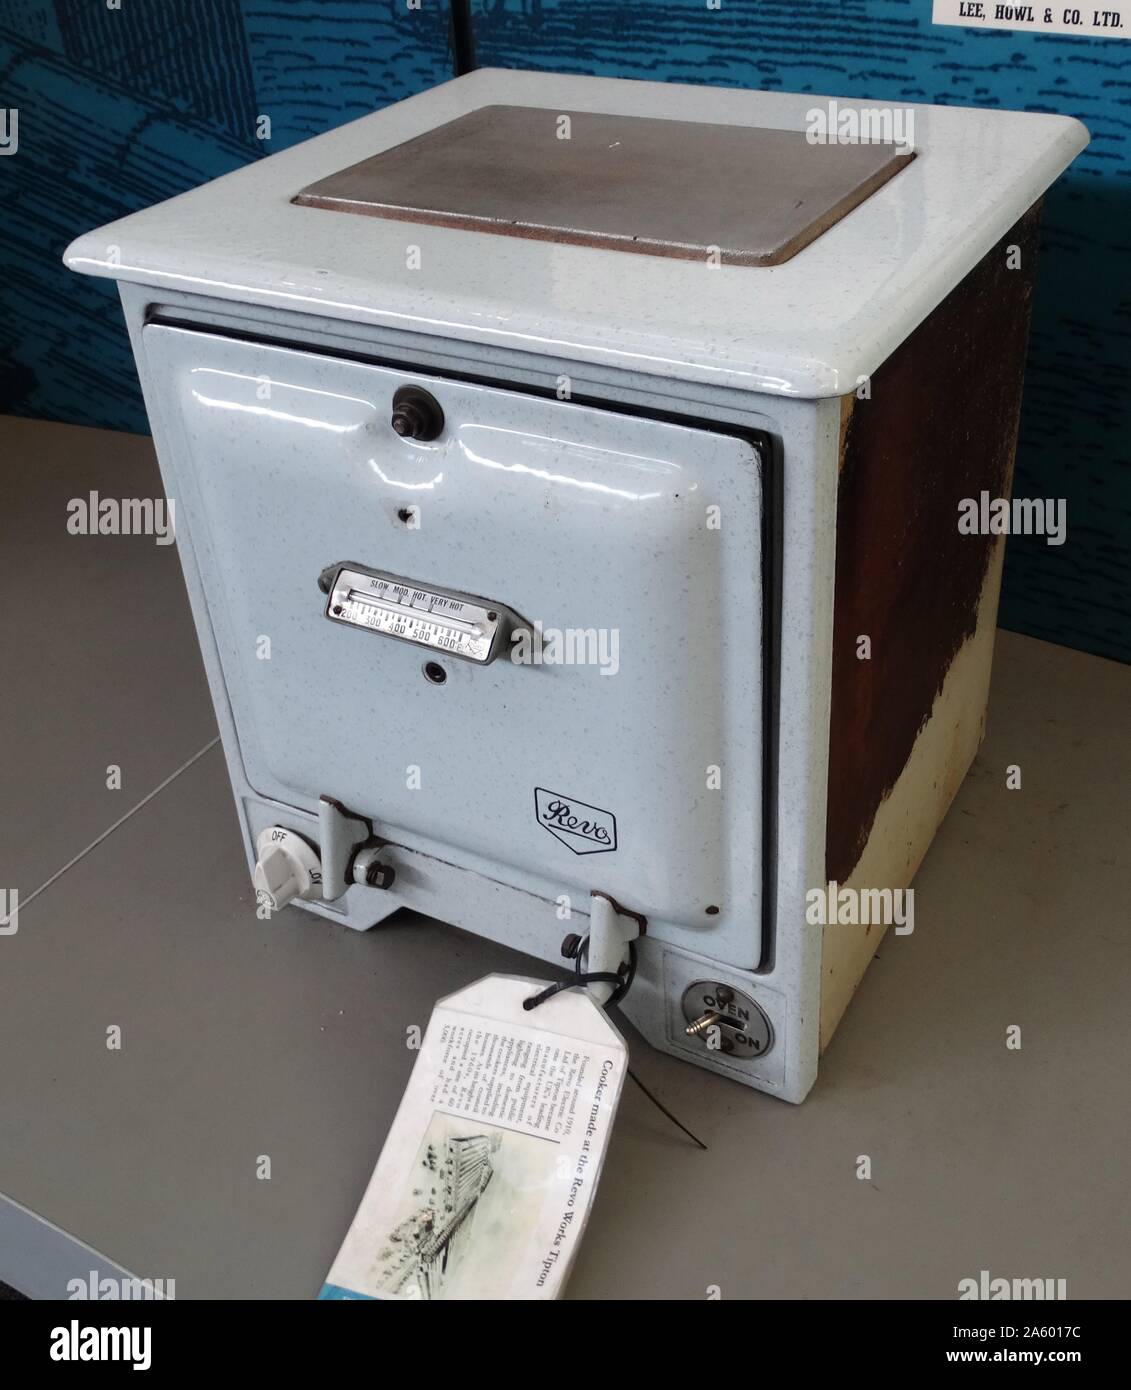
(808, 328)
(575, 518)
(511, 905)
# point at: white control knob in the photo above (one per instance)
(287, 868)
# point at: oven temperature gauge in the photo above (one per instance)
(452, 624)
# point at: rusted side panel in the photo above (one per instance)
(941, 425)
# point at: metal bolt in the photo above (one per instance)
(417, 414)
(379, 875)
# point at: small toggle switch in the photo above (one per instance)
(417, 414)
(702, 1023)
(726, 1020)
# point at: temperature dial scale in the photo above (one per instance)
(450, 623)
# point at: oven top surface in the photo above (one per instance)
(808, 327)
(682, 189)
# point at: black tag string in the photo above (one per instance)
(663, 1109)
(578, 948)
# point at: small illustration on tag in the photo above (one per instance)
(486, 1180)
(423, 1252)
(580, 827)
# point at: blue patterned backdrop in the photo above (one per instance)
(121, 107)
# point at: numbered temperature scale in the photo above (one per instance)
(467, 369)
(446, 623)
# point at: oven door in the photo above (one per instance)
(612, 738)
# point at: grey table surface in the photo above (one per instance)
(241, 1038)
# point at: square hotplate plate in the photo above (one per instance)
(685, 189)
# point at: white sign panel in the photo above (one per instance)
(1112, 21)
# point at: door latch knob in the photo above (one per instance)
(417, 414)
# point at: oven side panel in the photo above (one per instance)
(939, 426)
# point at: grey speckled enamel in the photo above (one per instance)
(278, 455)
(575, 518)
(509, 902)
(807, 328)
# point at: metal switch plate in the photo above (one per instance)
(726, 1020)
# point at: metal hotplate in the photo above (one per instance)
(624, 183)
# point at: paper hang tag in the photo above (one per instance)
(488, 1173)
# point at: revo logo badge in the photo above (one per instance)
(580, 827)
